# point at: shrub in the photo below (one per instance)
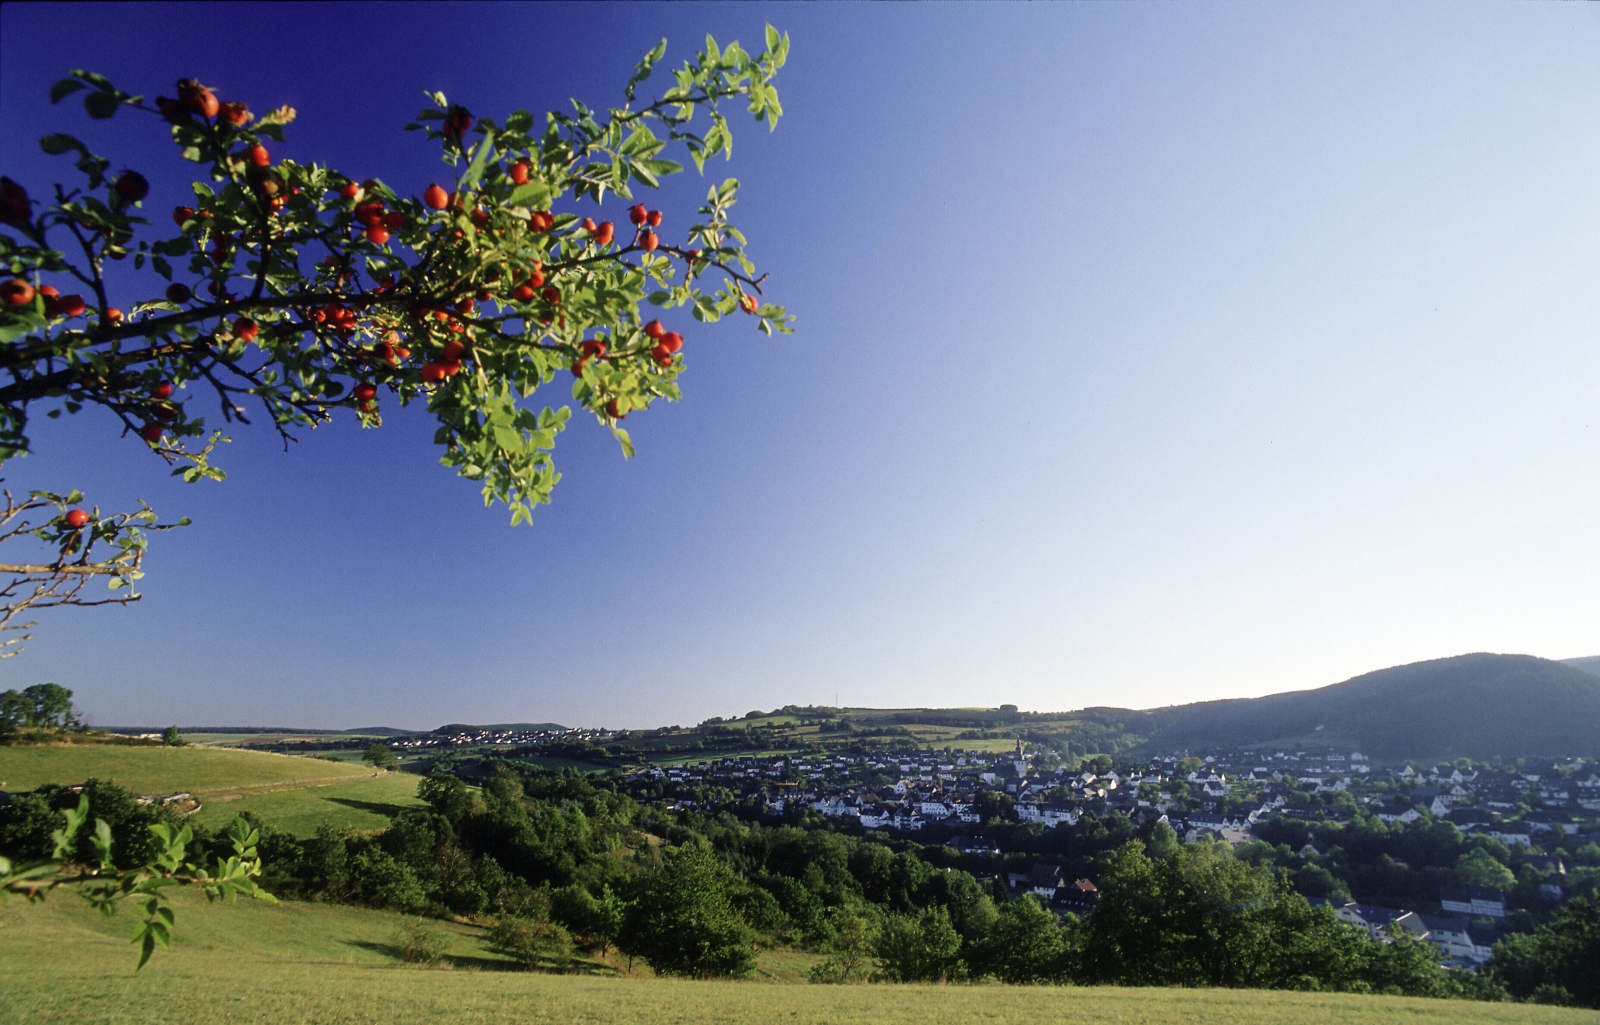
(533, 944)
(419, 944)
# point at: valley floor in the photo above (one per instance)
(318, 963)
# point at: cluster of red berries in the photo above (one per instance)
(378, 222)
(595, 348)
(603, 232)
(341, 318)
(17, 293)
(645, 220)
(668, 343)
(446, 364)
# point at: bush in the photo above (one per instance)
(533, 944)
(419, 944)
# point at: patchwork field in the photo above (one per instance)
(162, 770)
(316, 963)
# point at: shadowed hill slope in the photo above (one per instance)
(1477, 706)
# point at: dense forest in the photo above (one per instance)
(554, 862)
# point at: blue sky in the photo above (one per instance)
(1145, 354)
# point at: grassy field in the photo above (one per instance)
(315, 963)
(161, 770)
(365, 802)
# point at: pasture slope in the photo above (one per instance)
(162, 770)
(317, 963)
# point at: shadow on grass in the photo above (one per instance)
(376, 807)
(478, 963)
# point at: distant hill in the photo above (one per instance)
(499, 727)
(1477, 706)
(1591, 664)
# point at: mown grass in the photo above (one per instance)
(160, 770)
(317, 963)
(366, 802)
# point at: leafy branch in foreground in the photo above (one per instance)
(104, 885)
(298, 290)
(73, 536)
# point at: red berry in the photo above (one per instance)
(76, 518)
(654, 219)
(365, 392)
(523, 294)
(452, 352)
(378, 234)
(113, 315)
(638, 214)
(235, 112)
(258, 155)
(436, 197)
(182, 214)
(605, 234)
(593, 347)
(466, 306)
(648, 241)
(178, 293)
(655, 330)
(617, 410)
(536, 279)
(197, 98)
(748, 303)
(350, 191)
(151, 433)
(552, 294)
(480, 218)
(672, 340)
(662, 355)
(132, 186)
(246, 329)
(519, 172)
(433, 373)
(590, 226)
(17, 292)
(70, 305)
(394, 221)
(162, 390)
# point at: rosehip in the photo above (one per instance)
(654, 219)
(246, 329)
(235, 112)
(519, 172)
(350, 191)
(672, 340)
(151, 433)
(523, 294)
(70, 305)
(48, 291)
(480, 218)
(552, 294)
(617, 410)
(593, 347)
(748, 303)
(394, 221)
(17, 292)
(178, 293)
(452, 352)
(433, 373)
(655, 330)
(637, 214)
(436, 197)
(536, 279)
(132, 186)
(605, 234)
(589, 225)
(76, 518)
(113, 315)
(182, 214)
(197, 97)
(648, 241)
(465, 306)
(662, 355)
(258, 155)
(365, 392)
(162, 390)
(378, 234)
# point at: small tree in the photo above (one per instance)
(923, 947)
(380, 756)
(850, 956)
(170, 737)
(684, 923)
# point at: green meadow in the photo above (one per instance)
(162, 770)
(364, 802)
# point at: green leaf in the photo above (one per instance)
(480, 160)
(64, 88)
(101, 105)
(508, 438)
(533, 194)
(58, 143)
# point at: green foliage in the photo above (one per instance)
(683, 922)
(1558, 963)
(468, 300)
(417, 943)
(855, 937)
(43, 705)
(171, 737)
(1478, 867)
(921, 947)
(380, 756)
(533, 944)
(1026, 944)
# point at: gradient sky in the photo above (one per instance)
(1145, 354)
